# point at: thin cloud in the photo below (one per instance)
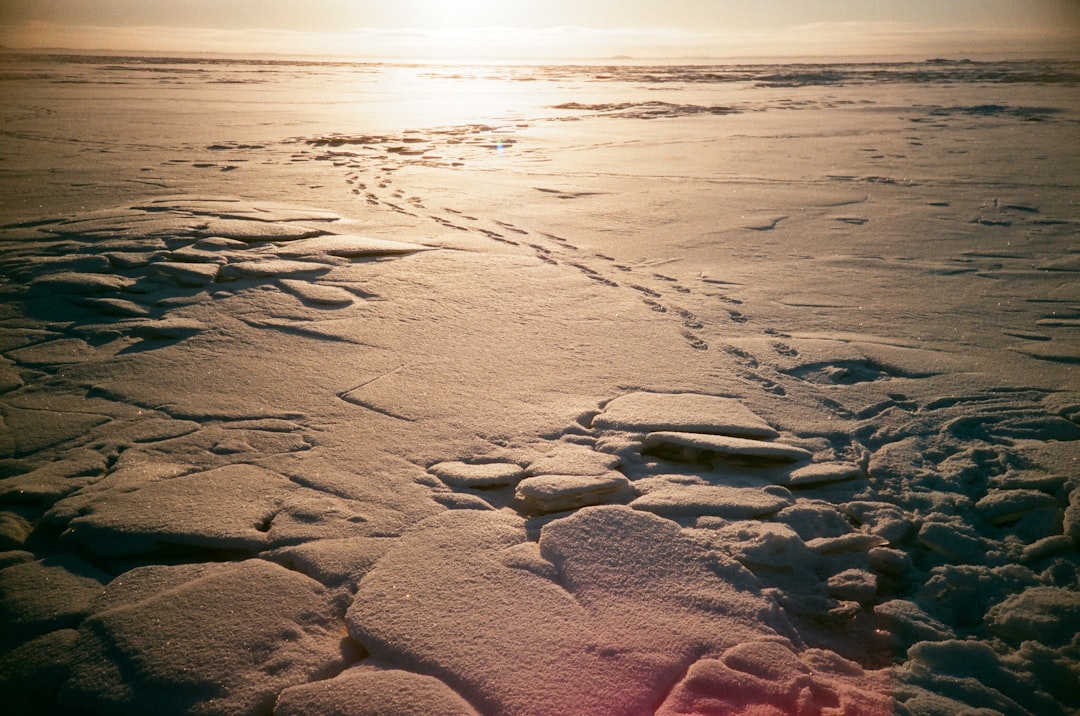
(496, 42)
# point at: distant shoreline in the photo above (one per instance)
(617, 60)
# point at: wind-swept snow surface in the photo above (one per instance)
(669, 390)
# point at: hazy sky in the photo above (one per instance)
(486, 29)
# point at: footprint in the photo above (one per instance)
(695, 342)
(584, 269)
(689, 319)
(647, 291)
(601, 279)
(744, 358)
(654, 305)
(511, 227)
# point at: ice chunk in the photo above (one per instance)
(430, 597)
(80, 283)
(365, 691)
(813, 519)
(717, 500)
(228, 508)
(961, 594)
(38, 423)
(769, 660)
(1048, 615)
(116, 307)
(908, 623)
(971, 673)
(478, 475)
(882, 519)
(166, 329)
(1004, 506)
(53, 480)
(554, 493)
(821, 473)
(845, 544)
(208, 638)
(956, 542)
(272, 268)
(333, 561)
(188, 274)
(686, 412)
(317, 294)
(14, 529)
(855, 585)
(345, 245)
(54, 353)
(256, 231)
(1048, 546)
(48, 594)
(767, 678)
(695, 447)
(1072, 516)
(765, 544)
(571, 459)
(891, 562)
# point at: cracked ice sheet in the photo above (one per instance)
(817, 266)
(462, 345)
(624, 599)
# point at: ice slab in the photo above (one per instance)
(686, 412)
(477, 475)
(206, 638)
(717, 500)
(695, 447)
(554, 493)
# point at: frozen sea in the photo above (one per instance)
(412, 388)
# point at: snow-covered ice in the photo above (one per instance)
(659, 390)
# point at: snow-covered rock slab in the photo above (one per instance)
(204, 638)
(554, 493)
(687, 412)
(695, 447)
(716, 500)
